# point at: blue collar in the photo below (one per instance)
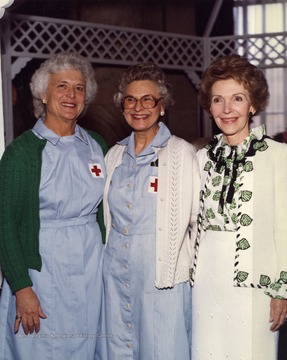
(42, 131)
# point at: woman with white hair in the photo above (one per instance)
(52, 180)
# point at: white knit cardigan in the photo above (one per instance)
(177, 208)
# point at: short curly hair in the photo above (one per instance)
(241, 70)
(145, 71)
(55, 64)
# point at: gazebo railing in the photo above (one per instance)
(27, 37)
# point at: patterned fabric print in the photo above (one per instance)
(220, 211)
(225, 174)
(275, 286)
(226, 202)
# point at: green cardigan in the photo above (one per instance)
(20, 174)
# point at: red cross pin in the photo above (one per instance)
(96, 170)
(153, 184)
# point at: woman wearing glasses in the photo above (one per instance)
(150, 203)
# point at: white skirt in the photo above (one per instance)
(227, 322)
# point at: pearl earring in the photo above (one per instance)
(162, 113)
(44, 101)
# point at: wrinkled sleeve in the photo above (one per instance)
(278, 289)
(13, 183)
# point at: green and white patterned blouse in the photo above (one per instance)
(225, 192)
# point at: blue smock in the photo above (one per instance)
(142, 322)
(69, 284)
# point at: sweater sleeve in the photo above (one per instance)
(13, 182)
(195, 199)
(100, 218)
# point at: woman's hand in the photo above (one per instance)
(278, 313)
(28, 311)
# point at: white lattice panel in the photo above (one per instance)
(26, 37)
(39, 37)
(267, 50)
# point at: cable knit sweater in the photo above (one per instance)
(177, 208)
(20, 175)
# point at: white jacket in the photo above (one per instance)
(266, 258)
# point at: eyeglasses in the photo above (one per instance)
(146, 101)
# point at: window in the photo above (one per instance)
(259, 17)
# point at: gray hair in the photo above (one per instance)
(145, 71)
(57, 63)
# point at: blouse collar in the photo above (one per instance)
(227, 159)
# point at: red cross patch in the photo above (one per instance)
(96, 170)
(153, 184)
